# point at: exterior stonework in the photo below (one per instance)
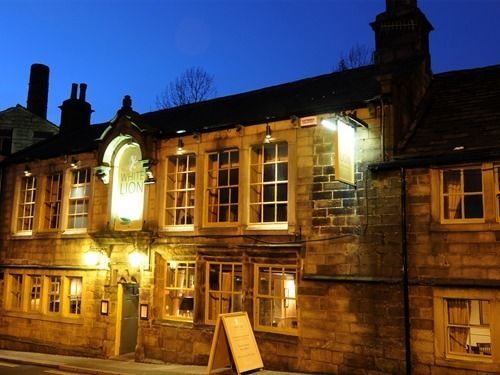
(132, 236)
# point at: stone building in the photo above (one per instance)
(315, 206)
(20, 126)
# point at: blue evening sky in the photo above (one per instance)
(136, 47)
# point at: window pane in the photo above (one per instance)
(451, 181)
(473, 206)
(473, 180)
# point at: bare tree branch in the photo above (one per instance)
(192, 86)
(358, 55)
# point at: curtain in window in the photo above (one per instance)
(458, 313)
(452, 194)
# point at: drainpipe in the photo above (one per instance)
(404, 258)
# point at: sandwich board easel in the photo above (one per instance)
(234, 342)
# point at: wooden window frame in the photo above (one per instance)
(25, 223)
(52, 203)
(461, 194)
(35, 290)
(257, 184)
(180, 291)
(80, 200)
(173, 176)
(214, 187)
(74, 298)
(220, 292)
(284, 300)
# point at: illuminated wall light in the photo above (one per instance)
(268, 136)
(150, 179)
(27, 171)
(96, 258)
(180, 146)
(74, 163)
(329, 123)
(137, 259)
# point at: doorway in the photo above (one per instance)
(129, 318)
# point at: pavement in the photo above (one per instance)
(95, 366)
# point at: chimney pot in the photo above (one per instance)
(38, 90)
(74, 88)
(83, 91)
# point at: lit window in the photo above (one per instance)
(75, 295)
(54, 304)
(468, 327)
(222, 189)
(78, 210)
(35, 292)
(53, 193)
(16, 289)
(276, 301)
(26, 209)
(179, 290)
(462, 194)
(269, 183)
(224, 295)
(181, 176)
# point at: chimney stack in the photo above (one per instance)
(38, 91)
(75, 112)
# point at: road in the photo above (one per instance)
(7, 368)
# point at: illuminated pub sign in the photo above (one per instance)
(128, 188)
(344, 162)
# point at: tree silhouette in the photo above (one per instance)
(358, 55)
(192, 86)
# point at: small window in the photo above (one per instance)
(75, 295)
(269, 183)
(16, 290)
(225, 281)
(179, 290)
(78, 210)
(462, 194)
(468, 327)
(222, 189)
(26, 207)
(5, 141)
(53, 194)
(276, 298)
(54, 304)
(35, 292)
(181, 180)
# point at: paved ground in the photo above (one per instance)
(82, 365)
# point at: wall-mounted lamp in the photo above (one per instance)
(27, 171)
(138, 259)
(102, 172)
(180, 146)
(268, 134)
(150, 179)
(96, 258)
(74, 163)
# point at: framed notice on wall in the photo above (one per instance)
(234, 342)
(344, 160)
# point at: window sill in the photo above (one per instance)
(44, 317)
(178, 228)
(255, 227)
(465, 227)
(69, 232)
(22, 234)
(476, 364)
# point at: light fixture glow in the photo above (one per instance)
(96, 258)
(137, 259)
(74, 163)
(268, 136)
(27, 171)
(180, 131)
(180, 146)
(329, 123)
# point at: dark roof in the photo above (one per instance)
(68, 143)
(462, 115)
(329, 93)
